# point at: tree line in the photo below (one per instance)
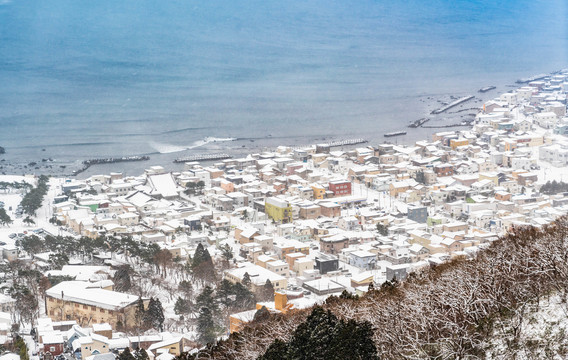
(554, 187)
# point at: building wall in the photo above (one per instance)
(340, 188)
(333, 247)
(60, 310)
(278, 214)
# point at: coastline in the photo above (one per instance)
(447, 111)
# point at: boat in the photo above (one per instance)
(396, 133)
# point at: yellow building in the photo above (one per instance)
(319, 191)
(455, 143)
(278, 210)
(79, 301)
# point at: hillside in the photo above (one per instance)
(504, 304)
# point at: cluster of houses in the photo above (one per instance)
(315, 221)
(100, 342)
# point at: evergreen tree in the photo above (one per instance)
(126, 355)
(267, 291)
(206, 327)
(226, 252)
(186, 288)
(244, 298)
(121, 279)
(182, 306)
(224, 292)
(198, 256)
(155, 314)
(246, 280)
(5, 219)
(323, 336)
(29, 221)
(420, 177)
(261, 314)
(206, 299)
(202, 264)
(57, 260)
(141, 354)
(382, 229)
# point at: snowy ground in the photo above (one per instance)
(13, 199)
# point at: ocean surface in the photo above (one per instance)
(87, 79)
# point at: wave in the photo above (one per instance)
(184, 130)
(168, 148)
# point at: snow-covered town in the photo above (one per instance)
(166, 262)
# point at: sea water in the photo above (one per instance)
(85, 79)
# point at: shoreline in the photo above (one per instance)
(453, 115)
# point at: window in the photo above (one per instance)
(52, 348)
(76, 305)
(93, 308)
(50, 312)
(102, 310)
(85, 307)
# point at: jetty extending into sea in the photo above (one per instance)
(88, 163)
(452, 104)
(202, 157)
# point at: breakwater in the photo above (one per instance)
(90, 162)
(202, 157)
(452, 104)
(346, 142)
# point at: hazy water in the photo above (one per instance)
(102, 78)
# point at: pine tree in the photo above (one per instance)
(202, 265)
(224, 292)
(226, 252)
(205, 299)
(244, 298)
(198, 257)
(141, 354)
(121, 279)
(155, 314)
(323, 336)
(246, 280)
(186, 288)
(267, 291)
(182, 306)
(206, 327)
(261, 314)
(126, 355)
(4, 217)
(382, 229)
